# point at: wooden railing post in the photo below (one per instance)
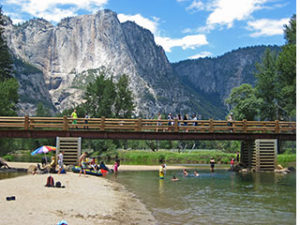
(245, 125)
(176, 125)
(211, 126)
(102, 126)
(26, 122)
(138, 125)
(277, 128)
(66, 123)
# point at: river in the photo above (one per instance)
(219, 198)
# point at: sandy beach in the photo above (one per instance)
(84, 200)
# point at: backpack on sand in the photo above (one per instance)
(50, 182)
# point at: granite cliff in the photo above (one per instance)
(60, 60)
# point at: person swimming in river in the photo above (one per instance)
(196, 174)
(185, 172)
(174, 178)
(212, 164)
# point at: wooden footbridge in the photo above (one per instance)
(259, 138)
(144, 129)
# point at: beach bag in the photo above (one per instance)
(58, 184)
(50, 182)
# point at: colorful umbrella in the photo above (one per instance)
(43, 149)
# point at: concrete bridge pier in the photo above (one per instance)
(259, 154)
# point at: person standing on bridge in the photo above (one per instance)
(74, 117)
(159, 122)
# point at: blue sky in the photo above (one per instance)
(186, 29)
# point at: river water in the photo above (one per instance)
(216, 198)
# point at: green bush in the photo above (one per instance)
(285, 159)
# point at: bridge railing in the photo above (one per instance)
(146, 125)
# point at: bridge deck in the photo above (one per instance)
(107, 128)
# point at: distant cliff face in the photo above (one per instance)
(72, 53)
(219, 75)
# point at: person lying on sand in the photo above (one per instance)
(4, 164)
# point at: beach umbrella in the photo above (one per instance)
(43, 149)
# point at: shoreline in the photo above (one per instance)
(26, 165)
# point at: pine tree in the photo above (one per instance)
(286, 65)
(124, 105)
(8, 85)
(5, 57)
(266, 86)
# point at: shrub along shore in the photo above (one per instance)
(147, 157)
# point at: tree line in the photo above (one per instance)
(273, 96)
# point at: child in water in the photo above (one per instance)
(162, 171)
(174, 178)
(185, 172)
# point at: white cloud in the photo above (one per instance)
(196, 6)
(187, 42)
(140, 20)
(201, 55)
(267, 27)
(225, 12)
(54, 10)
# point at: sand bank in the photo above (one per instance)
(84, 200)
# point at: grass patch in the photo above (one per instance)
(135, 157)
(285, 159)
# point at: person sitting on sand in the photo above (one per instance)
(174, 178)
(196, 174)
(185, 172)
(3, 163)
(53, 165)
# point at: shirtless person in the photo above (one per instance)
(3, 163)
(82, 163)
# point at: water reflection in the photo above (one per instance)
(219, 198)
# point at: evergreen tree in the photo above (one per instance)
(100, 97)
(286, 65)
(265, 86)
(9, 97)
(5, 57)
(8, 85)
(124, 100)
(42, 111)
